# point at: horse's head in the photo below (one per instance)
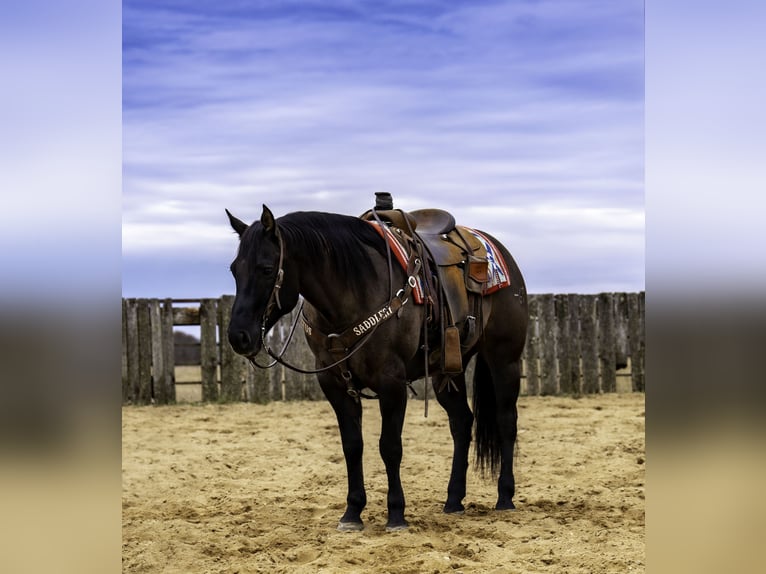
(264, 292)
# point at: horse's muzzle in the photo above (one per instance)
(243, 342)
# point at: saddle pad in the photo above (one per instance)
(401, 256)
(498, 276)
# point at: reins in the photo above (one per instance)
(298, 316)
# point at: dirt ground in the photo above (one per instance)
(260, 488)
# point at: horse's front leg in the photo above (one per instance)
(349, 414)
(393, 405)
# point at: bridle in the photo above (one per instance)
(274, 299)
(274, 295)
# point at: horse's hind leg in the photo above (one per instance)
(349, 414)
(506, 378)
(455, 403)
(496, 387)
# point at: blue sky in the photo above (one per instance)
(533, 112)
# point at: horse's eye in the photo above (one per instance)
(266, 269)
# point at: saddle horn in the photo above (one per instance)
(383, 201)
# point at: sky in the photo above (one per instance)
(524, 119)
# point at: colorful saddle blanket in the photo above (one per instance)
(497, 270)
(498, 276)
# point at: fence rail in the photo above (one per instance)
(576, 345)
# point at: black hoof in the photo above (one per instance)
(454, 509)
(505, 506)
(350, 526)
(397, 527)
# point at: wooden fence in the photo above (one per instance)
(577, 344)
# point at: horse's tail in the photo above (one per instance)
(487, 444)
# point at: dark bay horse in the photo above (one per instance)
(340, 265)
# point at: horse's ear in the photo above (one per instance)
(236, 224)
(267, 220)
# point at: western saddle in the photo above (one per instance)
(454, 272)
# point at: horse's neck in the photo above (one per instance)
(332, 297)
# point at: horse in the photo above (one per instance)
(340, 266)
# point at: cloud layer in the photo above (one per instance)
(524, 119)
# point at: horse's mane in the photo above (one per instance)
(334, 238)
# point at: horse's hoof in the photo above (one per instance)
(505, 506)
(454, 509)
(350, 526)
(398, 528)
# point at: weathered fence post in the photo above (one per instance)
(298, 353)
(158, 365)
(258, 382)
(288, 385)
(576, 334)
(168, 348)
(124, 370)
(548, 373)
(606, 346)
(284, 388)
(132, 341)
(208, 348)
(568, 344)
(532, 348)
(636, 339)
(621, 349)
(144, 396)
(231, 363)
(589, 344)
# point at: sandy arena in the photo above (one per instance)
(248, 488)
